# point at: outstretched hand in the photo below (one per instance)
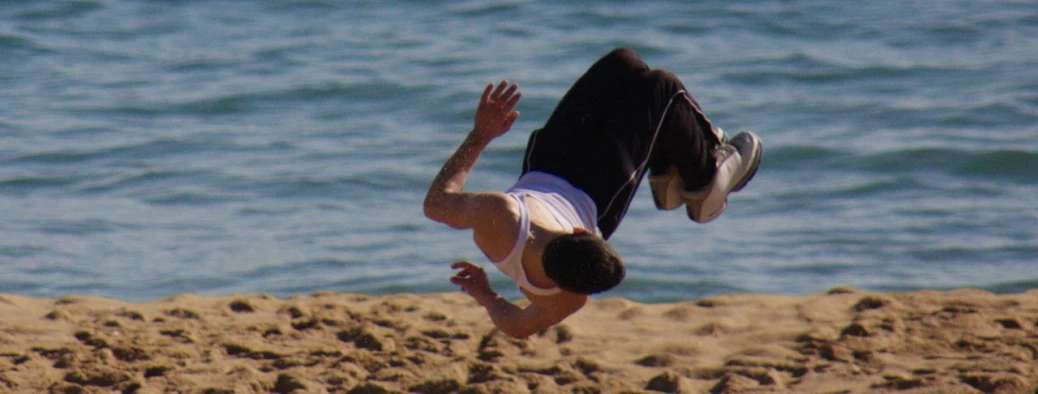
(495, 113)
(473, 280)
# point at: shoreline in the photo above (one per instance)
(841, 341)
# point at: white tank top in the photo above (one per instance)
(570, 206)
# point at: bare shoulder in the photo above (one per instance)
(493, 208)
(464, 210)
(494, 201)
(495, 224)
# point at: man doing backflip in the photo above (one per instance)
(581, 170)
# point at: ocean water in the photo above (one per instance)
(152, 148)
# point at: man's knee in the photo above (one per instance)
(625, 58)
(623, 54)
(665, 79)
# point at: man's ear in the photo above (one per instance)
(578, 230)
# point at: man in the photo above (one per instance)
(580, 172)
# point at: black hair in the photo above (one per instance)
(582, 263)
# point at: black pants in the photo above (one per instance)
(619, 120)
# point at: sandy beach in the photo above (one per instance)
(841, 341)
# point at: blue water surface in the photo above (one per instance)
(151, 148)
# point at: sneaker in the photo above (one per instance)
(737, 163)
(667, 187)
(722, 137)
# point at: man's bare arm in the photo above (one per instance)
(520, 323)
(511, 319)
(446, 202)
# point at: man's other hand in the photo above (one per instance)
(473, 280)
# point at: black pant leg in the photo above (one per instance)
(618, 120)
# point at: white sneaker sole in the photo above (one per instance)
(758, 153)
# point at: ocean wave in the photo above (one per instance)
(1012, 287)
(310, 267)
(145, 150)
(57, 10)
(945, 33)
(22, 185)
(143, 179)
(804, 68)
(798, 156)
(365, 95)
(62, 270)
(155, 180)
(13, 286)
(357, 186)
(1014, 165)
(662, 290)
(16, 46)
(881, 187)
(473, 9)
(191, 198)
(199, 65)
(827, 270)
(143, 290)
(1006, 287)
(607, 17)
(995, 114)
(798, 21)
(81, 227)
(348, 97)
(307, 5)
(1002, 164)
(21, 251)
(967, 254)
(302, 187)
(149, 149)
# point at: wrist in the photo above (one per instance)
(488, 299)
(479, 136)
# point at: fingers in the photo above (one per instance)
(468, 269)
(486, 93)
(502, 93)
(463, 279)
(511, 119)
(469, 272)
(510, 97)
(514, 99)
(472, 280)
(462, 264)
(500, 88)
(510, 92)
